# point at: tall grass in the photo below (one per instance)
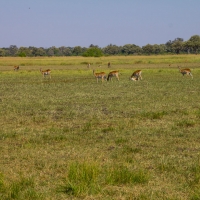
(103, 61)
(85, 179)
(82, 179)
(23, 188)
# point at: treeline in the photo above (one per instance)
(176, 46)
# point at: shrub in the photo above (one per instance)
(93, 52)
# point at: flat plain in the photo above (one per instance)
(70, 137)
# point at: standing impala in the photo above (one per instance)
(100, 75)
(136, 75)
(186, 71)
(113, 74)
(46, 72)
(16, 68)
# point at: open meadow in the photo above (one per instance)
(70, 137)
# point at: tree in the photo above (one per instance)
(187, 46)
(50, 52)
(77, 51)
(129, 49)
(93, 52)
(24, 51)
(65, 51)
(111, 49)
(33, 51)
(194, 42)
(177, 45)
(168, 46)
(148, 49)
(174, 46)
(92, 45)
(13, 50)
(40, 52)
(159, 49)
(2, 52)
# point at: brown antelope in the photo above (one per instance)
(16, 68)
(136, 75)
(46, 72)
(113, 74)
(108, 64)
(186, 71)
(100, 75)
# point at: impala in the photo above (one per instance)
(46, 72)
(136, 75)
(108, 64)
(16, 68)
(100, 75)
(186, 71)
(113, 74)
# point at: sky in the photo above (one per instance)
(70, 23)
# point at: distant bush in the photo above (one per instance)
(93, 52)
(22, 54)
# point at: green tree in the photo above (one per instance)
(111, 50)
(13, 50)
(177, 45)
(34, 51)
(65, 51)
(50, 52)
(129, 49)
(168, 46)
(24, 51)
(93, 52)
(159, 49)
(40, 52)
(187, 46)
(148, 49)
(77, 51)
(194, 42)
(2, 52)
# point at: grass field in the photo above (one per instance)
(69, 137)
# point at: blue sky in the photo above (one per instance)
(46, 23)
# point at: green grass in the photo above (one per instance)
(69, 137)
(79, 61)
(22, 188)
(81, 180)
(84, 179)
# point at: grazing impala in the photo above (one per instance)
(136, 75)
(113, 74)
(101, 75)
(46, 72)
(186, 71)
(16, 68)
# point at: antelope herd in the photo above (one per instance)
(136, 75)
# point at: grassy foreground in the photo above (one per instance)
(69, 137)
